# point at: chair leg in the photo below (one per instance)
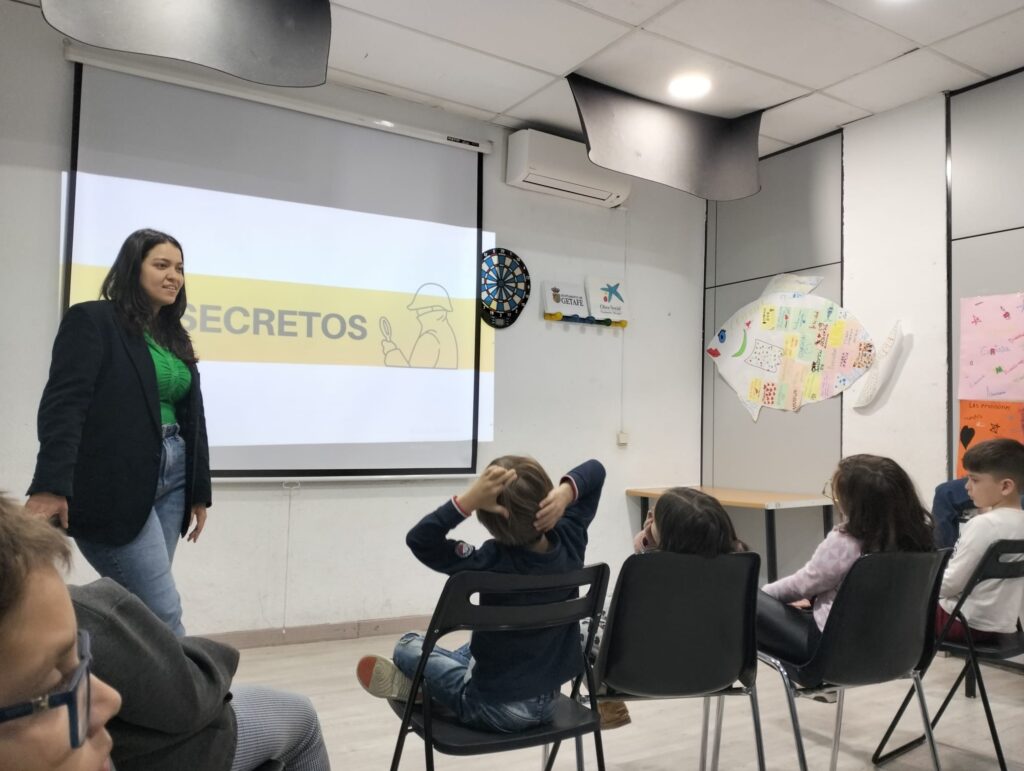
(927, 722)
(755, 711)
(878, 758)
(791, 702)
(549, 756)
(544, 757)
(988, 714)
(403, 732)
(717, 746)
(704, 733)
(838, 731)
(599, 749)
(969, 686)
(428, 753)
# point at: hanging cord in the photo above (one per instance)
(291, 488)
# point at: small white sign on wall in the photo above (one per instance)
(607, 298)
(566, 298)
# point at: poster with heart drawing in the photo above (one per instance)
(981, 420)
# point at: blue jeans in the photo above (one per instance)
(143, 565)
(448, 679)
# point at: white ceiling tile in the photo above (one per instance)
(929, 21)
(804, 41)
(907, 79)
(995, 48)
(384, 52)
(808, 117)
(767, 146)
(553, 107)
(643, 64)
(547, 34)
(367, 84)
(631, 11)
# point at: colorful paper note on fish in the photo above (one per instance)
(788, 348)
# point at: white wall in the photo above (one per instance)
(894, 227)
(333, 552)
(792, 225)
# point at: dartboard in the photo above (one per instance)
(504, 287)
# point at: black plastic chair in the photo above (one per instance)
(992, 566)
(879, 629)
(683, 626)
(456, 611)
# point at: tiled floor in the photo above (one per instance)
(360, 730)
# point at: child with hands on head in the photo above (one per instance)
(500, 681)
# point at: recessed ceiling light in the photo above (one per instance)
(689, 86)
(384, 123)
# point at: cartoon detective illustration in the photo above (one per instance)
(788, 348)
(436, 347)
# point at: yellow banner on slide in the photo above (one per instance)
(244, 319)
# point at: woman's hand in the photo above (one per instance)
(484, 492)
(198, 522)
(553, 507)
(47, 506)
(801, 604)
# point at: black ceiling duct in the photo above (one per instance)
(710, 157)
(274, 42)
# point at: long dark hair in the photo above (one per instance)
(880, 505)
(692, 522)
(122, 287)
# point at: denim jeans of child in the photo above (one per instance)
(143, 565)
(448, 679)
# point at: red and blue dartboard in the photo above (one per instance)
(504, 287)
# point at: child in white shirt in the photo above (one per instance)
(995, 480)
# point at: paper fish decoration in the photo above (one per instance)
(788, 348)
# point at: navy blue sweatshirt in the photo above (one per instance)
(510, 666)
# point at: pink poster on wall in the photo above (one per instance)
(992, 348)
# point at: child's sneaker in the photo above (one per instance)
(380, 677)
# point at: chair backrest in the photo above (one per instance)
(995, 565)
(540, 601)
(882, 620)
(681, 625)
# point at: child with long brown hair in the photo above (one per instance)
(880, 512)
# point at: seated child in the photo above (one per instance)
(684, 521)
(995, 480)
(880, 512)
(500, 681)
(180, 708)
(45, 658)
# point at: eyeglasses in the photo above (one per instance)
(74, 692)
(827, 491)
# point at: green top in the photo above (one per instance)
(173, 379)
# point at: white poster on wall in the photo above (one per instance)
(565, 298)
(607, 298)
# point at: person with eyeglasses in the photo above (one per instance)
(53, 710)
(880, 511)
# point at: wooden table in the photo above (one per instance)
(768, 502)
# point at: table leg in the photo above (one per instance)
(769, 542)
(645, 506)
(826, 519)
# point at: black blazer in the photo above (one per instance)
(99, 428)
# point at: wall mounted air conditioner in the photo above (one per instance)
(556, 166)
